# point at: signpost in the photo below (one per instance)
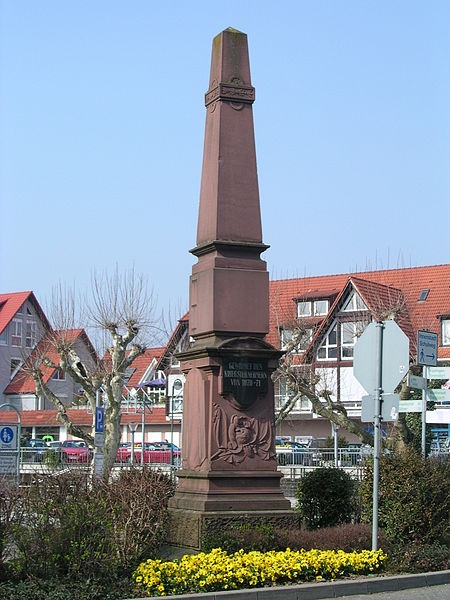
(10, 445)
(427, 342)
(381, 360)
(99, 438)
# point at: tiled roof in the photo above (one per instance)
(47, 418)
(141, 364)
(393, 285)
(11, 303)
(23, 382)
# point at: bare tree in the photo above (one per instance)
(121, 313)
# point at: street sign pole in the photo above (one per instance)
(377, 433)
(427, 349)
(424, 413)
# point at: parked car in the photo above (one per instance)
(34, 450)
(75, 451)
(54, 445)
(166, 446)
(292, 453)
(152, 454)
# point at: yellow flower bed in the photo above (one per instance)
(218, 570)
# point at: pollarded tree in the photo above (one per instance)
(121, 312)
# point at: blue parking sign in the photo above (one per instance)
(99, 419)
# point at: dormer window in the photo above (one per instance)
(321, 308)
(354, 303)
(303, 309)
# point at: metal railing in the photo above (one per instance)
(319, 457)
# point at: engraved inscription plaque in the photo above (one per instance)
(245, 379)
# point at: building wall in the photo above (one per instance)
(8, 351)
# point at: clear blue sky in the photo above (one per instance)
(102, 123)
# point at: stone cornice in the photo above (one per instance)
(236, 91)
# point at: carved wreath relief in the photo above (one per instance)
(240, 436)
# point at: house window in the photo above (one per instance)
(328, 348)
(20, 311)
(16, 332)
(445, 332)
(349, 334)
(30, 336)
(29, 313)
(303, 309)
(59, 375)
(320, 308)
(285, 338)
(15, 364)
(354, 303)
(4, 337)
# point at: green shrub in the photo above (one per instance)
(419, 558)
(414, 495)
(348, 537)
(260, 536)
(50, 589)
(70, 527)
(325, 498)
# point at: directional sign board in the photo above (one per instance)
(389, 408)
(99, 419)
(438, 373)
(427, 343)
(441, 395)
(418, 383)
(395, 357)
(410, 406)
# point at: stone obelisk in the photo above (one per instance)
(229, 471)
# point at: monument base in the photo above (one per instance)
(193, 529)
(229, 490)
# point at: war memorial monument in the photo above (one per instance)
(229, 471)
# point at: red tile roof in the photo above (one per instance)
(393, 285)
(11, 303)
(23, 382)
(47, 418)
(141, 364)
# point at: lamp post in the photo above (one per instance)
(176, 387)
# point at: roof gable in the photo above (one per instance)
(22, 382)
(11, 303)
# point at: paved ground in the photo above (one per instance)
(436, 592)
(425, 586)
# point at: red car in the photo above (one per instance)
(74, 451)
(152, 454)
